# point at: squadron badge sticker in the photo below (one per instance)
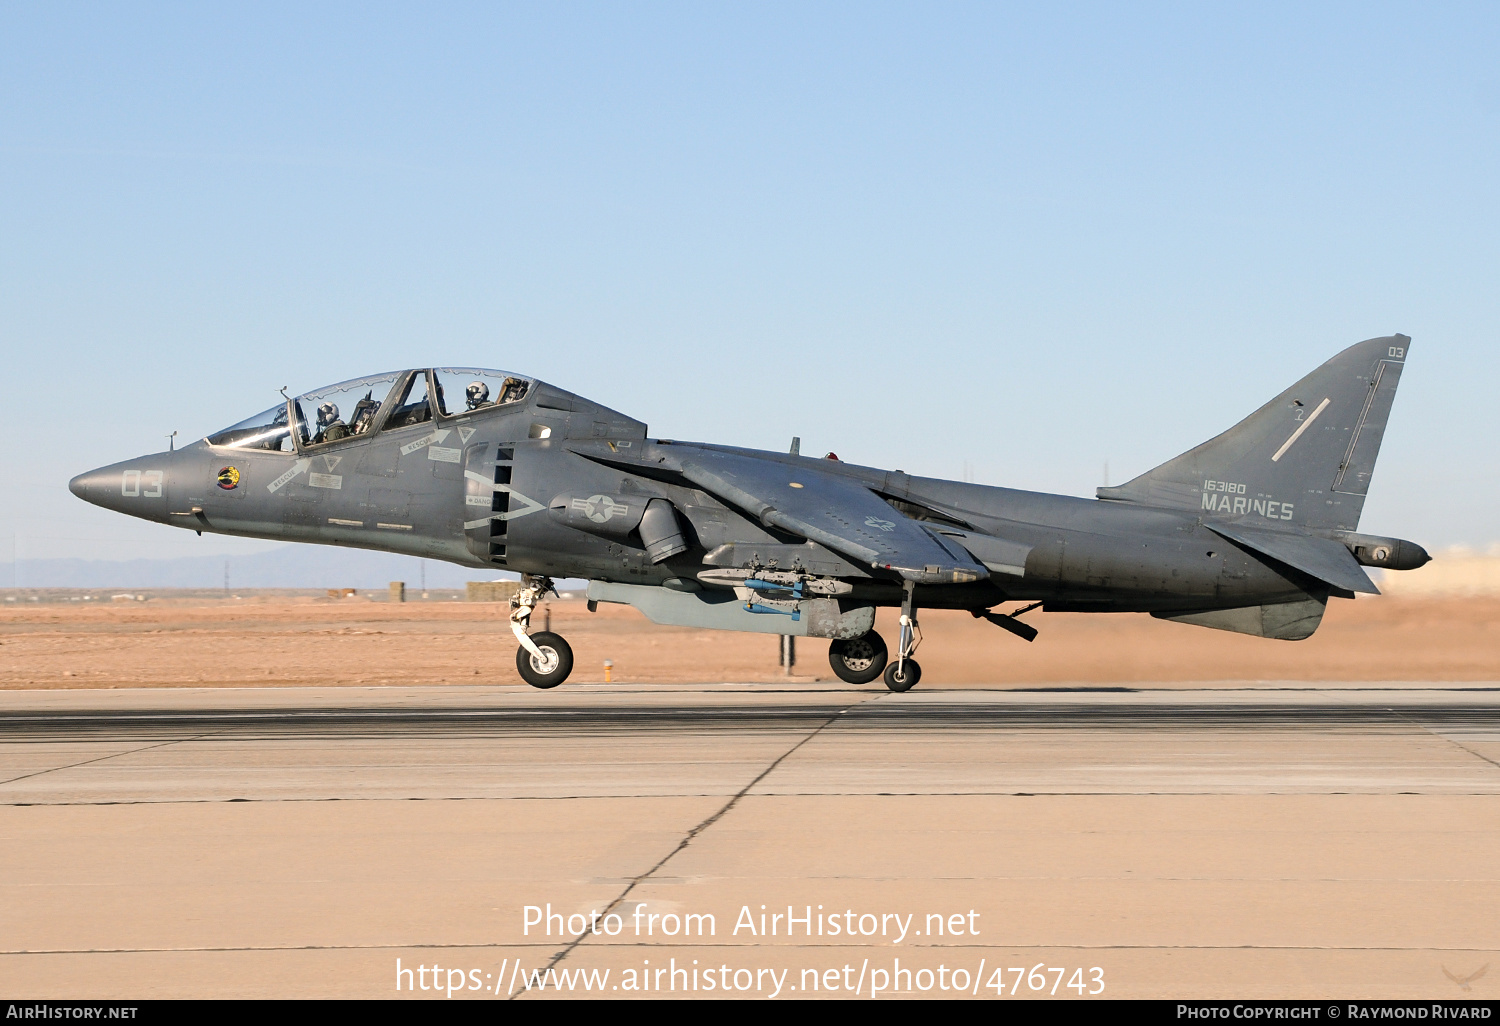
(229, 478)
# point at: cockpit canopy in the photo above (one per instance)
(345, 410)
(268, 430)
(363, 406)
(463, 390)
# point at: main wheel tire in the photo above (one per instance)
(554, 666)
(858, 660)
(905, 678)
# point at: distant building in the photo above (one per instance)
(491, 591)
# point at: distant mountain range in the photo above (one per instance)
(290, 566)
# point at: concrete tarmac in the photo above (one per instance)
(1297, 841)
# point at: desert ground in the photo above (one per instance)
(306, 640)
(298, 796)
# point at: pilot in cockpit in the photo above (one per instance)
(330, 427)
(478, 395)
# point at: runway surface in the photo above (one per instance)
(1264, 841)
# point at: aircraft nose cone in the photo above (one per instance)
(88, 487)
(136, 487)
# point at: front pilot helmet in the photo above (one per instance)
(327, 414)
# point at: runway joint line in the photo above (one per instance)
(103, 758)
(688, 838)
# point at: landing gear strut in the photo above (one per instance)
(903, 674)
(544, 659)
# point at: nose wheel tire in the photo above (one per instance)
(552, 668)
(905, 678)
(858, 660)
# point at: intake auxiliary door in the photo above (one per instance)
(487, 473)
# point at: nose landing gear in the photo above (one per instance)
(544, 659)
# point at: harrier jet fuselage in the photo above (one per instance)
(1252, 531)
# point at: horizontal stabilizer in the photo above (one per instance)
(1327, 560)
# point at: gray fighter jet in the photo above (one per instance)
(1252, 531)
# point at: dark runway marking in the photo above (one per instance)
(759, 717)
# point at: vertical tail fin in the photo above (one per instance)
(1304, 459)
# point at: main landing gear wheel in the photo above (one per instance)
(858, 660)
(904, 677)
(552, 668)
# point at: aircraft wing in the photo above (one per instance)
(832, 510)
(1318, 557)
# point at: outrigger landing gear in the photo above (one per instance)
(544, 659)
(903, 674)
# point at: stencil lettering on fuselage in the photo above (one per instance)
(1232, 498)
(432, 439)
(296, 468)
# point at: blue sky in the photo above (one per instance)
(1018, 240)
